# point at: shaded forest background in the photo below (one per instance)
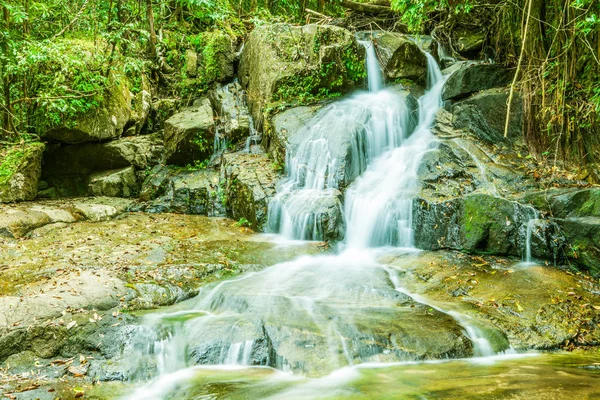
(58, 57)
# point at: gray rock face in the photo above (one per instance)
(473, 77)
(284, 125)
(189, 135)
(142, 104)
(20, 171)
(100, 124)
(583, 241)
(484, 114)
(115, 183)
(279, 54)
(315, 215)
(249, 185)
(234, 120)
(400, 57)
(18, 221)
(186, 192)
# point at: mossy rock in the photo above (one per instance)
(476, 223)
(189, 135)
(101, 123)
(400, 57)
(20, 170)
(286, 63)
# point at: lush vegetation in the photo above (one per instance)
(57, 57)
(555, 46)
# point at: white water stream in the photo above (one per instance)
(330, 303)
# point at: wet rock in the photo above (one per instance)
(400, 57)
(277, 57)
(289, 327)
(234, 120)
(579, 203)
(309, 215)
(20, 171)
(249, 185)
(475, 223)
(114, 183)
(532, 305)
(102, 123)
(583, 241)
(484, 115)
(187, 192)
(189, 135)
(471, 78)
(284, 125)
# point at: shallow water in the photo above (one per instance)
(526, 376)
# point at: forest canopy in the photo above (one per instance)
(58, 58)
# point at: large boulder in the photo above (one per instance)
(583, 241)
(20, 170)
(102, 123)
(216, 61)
(189, 135)
(249, 185)
(308, 215)
(186, 192)
(474, 77)
(400, 57)
(484, 115)
(474, 223)
(142, 104)
(284, 62)
(115, 183)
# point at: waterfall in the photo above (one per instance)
(378, 206)
(374, 75)
(326, 311)
(337, 146)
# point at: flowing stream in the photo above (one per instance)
(317, 314)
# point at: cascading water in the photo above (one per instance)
(335, 148)
(319, 313)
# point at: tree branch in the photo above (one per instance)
(366, 7)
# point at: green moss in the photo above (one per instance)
(12, 157)
(592, 206)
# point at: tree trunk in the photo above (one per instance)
(150, 16)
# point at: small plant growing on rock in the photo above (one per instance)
(243, 222)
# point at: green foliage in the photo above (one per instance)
(10, 161)
(243, 222)
(198, 165)
(66, 77)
